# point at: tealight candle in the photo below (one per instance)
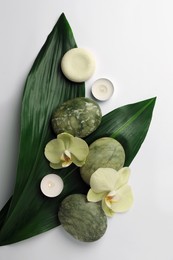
(51, 185)
(102, 89)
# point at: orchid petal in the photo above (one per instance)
(125, 200)
(109, 198)
(79, 148)
(109, 212)
(123, 177)
(65, 164)
(103, 179)
(54, 150)
(67, 139)
(77, 162)
(56, 165)
(95, 197)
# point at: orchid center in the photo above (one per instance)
(112, 197)
(66, 158)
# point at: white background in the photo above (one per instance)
(133, 44)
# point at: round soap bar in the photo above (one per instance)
(84, 220)
(78, 117)
(102, 89)
(78, 64)
(105, 152)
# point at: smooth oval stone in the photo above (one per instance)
(84, 220)
(79, 117)
(105, 152)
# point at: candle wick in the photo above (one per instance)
(50, 184)
(103, 88)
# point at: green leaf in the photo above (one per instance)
(29, 212)
(129, 125)
(3, 213)
(45, 89)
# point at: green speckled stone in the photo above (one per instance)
(79, 117)
(84, 220)
(105, 152)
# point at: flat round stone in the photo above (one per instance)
(84, 220)
(78, 64)
(78, 117)
(105, 152)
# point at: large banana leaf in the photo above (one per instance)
(129, 125)
(45, 89)
(29, 213)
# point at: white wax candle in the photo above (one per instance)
(102, 89)
(51, 185)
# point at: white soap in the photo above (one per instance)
(78, 64)
(102, 89)
(51, 185)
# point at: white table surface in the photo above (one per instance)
(133, 44)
